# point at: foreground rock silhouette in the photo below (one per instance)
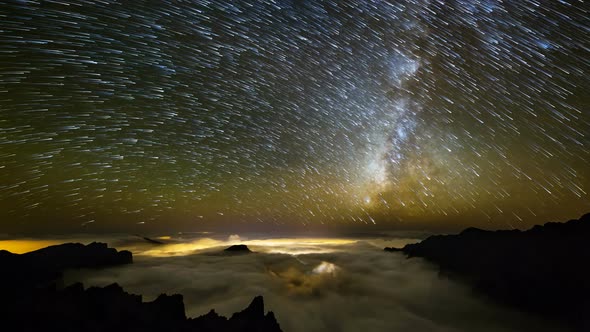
(32, 299)
(544, 270)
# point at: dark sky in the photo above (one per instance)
(182, 115)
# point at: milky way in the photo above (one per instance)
(123, 114)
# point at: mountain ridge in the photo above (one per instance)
(542, 270)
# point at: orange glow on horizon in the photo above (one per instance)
(24, 246)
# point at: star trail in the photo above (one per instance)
(139, 114)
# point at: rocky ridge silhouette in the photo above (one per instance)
(543, 270)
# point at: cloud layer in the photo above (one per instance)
(341, 286)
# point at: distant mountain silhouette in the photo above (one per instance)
(543, 270)
(33, 301)
(43, 267)
(238, 249)
(150, 240)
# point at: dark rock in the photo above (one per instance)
(238, 249)
(167, 308)
(250, 319)
(110, 308)
(253, 319)
(255, 310)
(208, 323)
(543, 270)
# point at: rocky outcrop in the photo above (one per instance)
(237, 249)
(33, 301)
(250, 319)
(543, 270)
(110, 308)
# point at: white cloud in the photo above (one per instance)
(234, 238)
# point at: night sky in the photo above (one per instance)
(189, 115)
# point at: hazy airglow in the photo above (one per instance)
(182, 247)
(290, 246)
(24, 245)
(299, 246)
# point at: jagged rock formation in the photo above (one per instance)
(543, 270)
(33, 301)
(112, 309)
(250, 319)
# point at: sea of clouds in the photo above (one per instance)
(311, 285)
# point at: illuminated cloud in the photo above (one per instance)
(325, 268)
(358, 287)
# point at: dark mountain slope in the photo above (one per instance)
(544, 270)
